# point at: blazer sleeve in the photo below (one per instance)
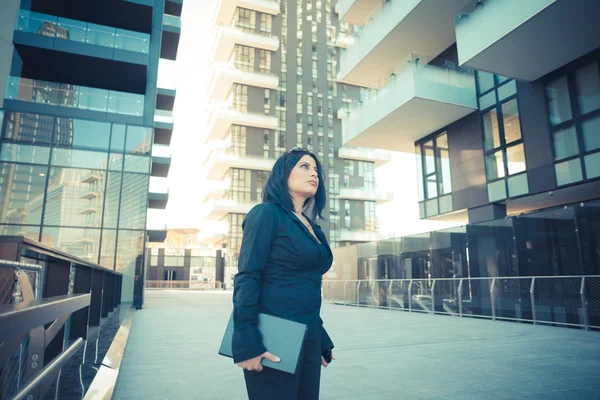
(326, 342)
(259, 228)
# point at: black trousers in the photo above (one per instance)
(271, 384)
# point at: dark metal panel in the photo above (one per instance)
(96, 300)
(105, 296)
(18, 318)
(79, 319)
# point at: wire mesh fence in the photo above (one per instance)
(13, 371)
(564, 301)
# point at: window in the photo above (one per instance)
(574, 112)
(240, 185)
(265, 61)
(244, 58)
(505, 162)
(240, 97)
(266, 22)
(246, 20)
(434, 177)
(238, 140)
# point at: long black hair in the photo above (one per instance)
(277, 191)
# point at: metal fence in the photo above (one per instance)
(565, 300)
(13, 289)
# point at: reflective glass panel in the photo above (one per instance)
(108, 248)
(117, 141)
(79, 242)
(518, 185)
(134, 198)
(21, 193)
(497, 190)
(490, 130)
(495, 165)
(587, 80)
(31, 232)
(591, 134)
(565, 143)
(75, 197)
(507, 90)
(111, 204)
(130, 248)
(592, 166)
(79, 158)
(515, 157)
(31, 128)
(559, 101)
(568, 172)
(512, 125)
(485, 81)
(84, 134)
(25, 153)
(137, 164)
(139, 140)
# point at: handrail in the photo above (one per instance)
(20, 318)
(20, 265)
(52, 367)
(548, 300)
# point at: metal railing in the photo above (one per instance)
(561, 300)
(83, 32)
(192, 285)
(73, 96)
(24, 338)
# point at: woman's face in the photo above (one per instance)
(304, 178)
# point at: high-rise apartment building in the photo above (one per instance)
(274, 87)
(500, 100)
(83, 127)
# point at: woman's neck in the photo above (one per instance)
(298, 204)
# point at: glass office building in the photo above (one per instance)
(84, 129)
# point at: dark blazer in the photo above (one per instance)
(280, 268)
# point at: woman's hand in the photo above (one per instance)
(325, 363)
(254, 364)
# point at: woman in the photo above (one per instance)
(282, 259)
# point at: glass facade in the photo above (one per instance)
(552, 242)
(503, 146)
(434, 178)
(77, 185)
(573, 102)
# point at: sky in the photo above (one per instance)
(190, 75)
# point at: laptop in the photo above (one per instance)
(281, 337)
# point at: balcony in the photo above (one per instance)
(221, 120)
(399, 28)
(365, 195)
(358, 235)
(158, 193)
(55, 32)
(161, 161)
(356, 12)
(216, 190)
(165, 98)
(420, 99)
(171, 34)
(222, 159)
(225, 38)
(226, 75)
(216, 210)
(164, 119)
(378, 156)
(502, 36)
(156, 234)
(225, 10)
(49, 95)
(344, 41)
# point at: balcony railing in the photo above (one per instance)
(418, 76)
(67, 95)
(82, 32)
(553, 300)
(171, 20)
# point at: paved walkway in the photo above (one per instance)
(172, 354)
